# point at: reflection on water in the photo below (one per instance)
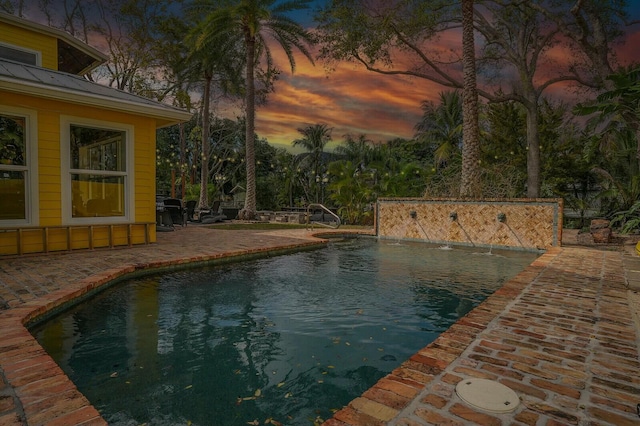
(289, 338)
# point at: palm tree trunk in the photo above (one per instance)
(203, 203)
(183, 149)
(637, 133)
(470, 181)
(249, 210)
(533, 151)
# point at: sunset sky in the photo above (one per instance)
(353, 100)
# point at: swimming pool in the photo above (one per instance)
(286, 339)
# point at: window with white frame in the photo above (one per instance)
(20, 54)
(17, 167)
(98, 178)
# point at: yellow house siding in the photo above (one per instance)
(46, 45)
(49, 165)
(145, 181)
(50, 190)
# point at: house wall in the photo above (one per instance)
(47, 45)
(525, 224)
(49, 197)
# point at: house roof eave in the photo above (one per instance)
(165, 114)
(99, 57)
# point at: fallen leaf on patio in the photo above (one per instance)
(281, 384)
(115, 374)
(189, 387)
(257, 393)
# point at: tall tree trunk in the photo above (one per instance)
(183, 149)
(203, 203)
(470, 180)
(533, 149)
(249, 210)
(637, 132)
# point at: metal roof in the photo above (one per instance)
(44, 83)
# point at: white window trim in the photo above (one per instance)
(65, 153)
(32, 201)
(37, 53)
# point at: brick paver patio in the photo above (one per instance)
(562, 334)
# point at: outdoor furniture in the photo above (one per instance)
(212, 215)
(163, 217)
(230, 212)
(191, 209)
(176, 210)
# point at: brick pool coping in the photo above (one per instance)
(560, 334)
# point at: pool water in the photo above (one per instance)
(280, 340)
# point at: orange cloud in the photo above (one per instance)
(354, 101)
(349, 99)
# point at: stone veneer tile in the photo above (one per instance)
(529, 224)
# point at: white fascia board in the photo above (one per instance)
(162, 111)
(55, 32)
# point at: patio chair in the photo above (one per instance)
(212, 215)
(176, 210)
(191, 209)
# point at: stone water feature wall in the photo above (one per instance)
(525, 224)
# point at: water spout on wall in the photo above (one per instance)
(421, 229)
(515, 235)
(462, 228)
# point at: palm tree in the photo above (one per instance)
(315, 138)
(618, 109)
(470, 129)
(442, 125)
(206, 62)
(243, 25)
(615, 143)
(350, 192)
(356, 150)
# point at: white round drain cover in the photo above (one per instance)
(487, 395)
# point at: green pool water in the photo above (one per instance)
(281, 340)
